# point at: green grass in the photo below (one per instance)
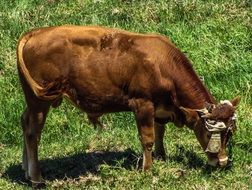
(215, 35)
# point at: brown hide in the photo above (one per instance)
(100, 69)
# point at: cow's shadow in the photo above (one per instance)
(80, 164)
(76, 165)
(187, 157)
(192, 160)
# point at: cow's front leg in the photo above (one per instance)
(144, 113)
(147, 140)
(159, 141)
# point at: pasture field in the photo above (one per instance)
(216, 35)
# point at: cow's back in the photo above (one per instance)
(97, 63)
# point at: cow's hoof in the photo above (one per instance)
(38, 185)
(27, 175)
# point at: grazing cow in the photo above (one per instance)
(102, 70)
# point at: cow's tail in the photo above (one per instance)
(38, 90)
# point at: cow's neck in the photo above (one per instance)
(192, 94)
(190, 91)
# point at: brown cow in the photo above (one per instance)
(103, 70)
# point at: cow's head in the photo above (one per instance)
(213, 126)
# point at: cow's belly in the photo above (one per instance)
(103, 104)
(94, 101)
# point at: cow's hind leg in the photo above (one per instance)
(32, 122)
(159, 144)
(24, 123)
(144, 113)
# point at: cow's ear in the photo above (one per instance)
(236, 101)
(190, 114)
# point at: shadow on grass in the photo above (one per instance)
(80, 164)
(187, 157)
(191, 160)
(75, 165)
